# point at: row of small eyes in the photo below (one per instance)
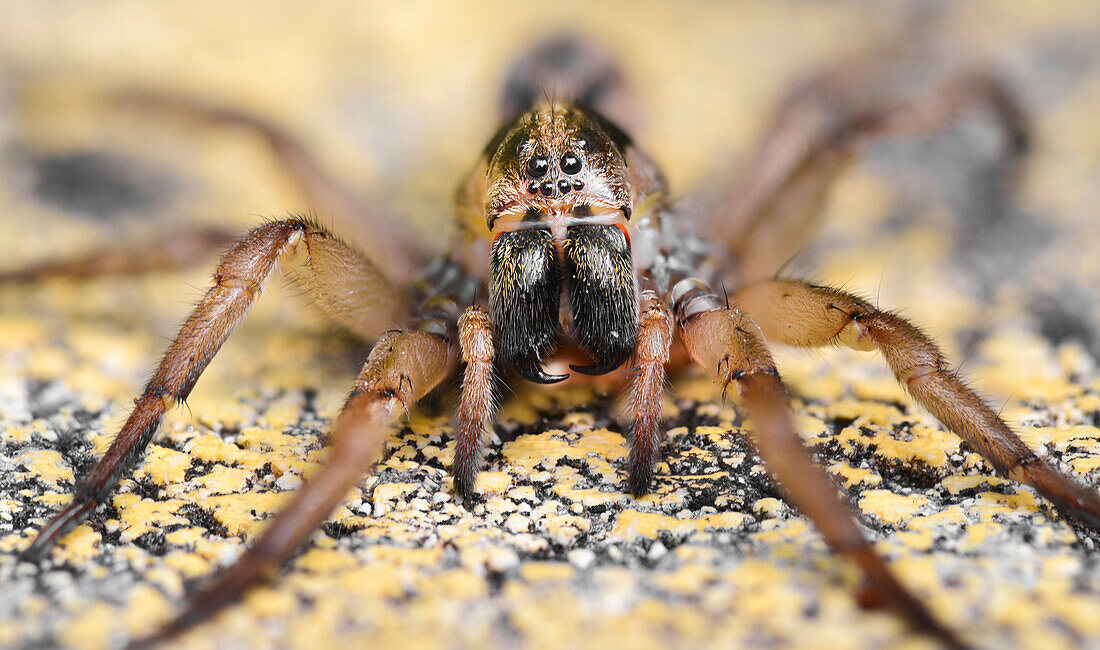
(547, 187)
(537, 166)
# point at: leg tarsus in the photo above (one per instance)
(62, 523)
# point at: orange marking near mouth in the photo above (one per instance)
(558, 221)
(622, 227)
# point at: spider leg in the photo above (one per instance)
(772, 209)
(403, 366)
(346, 285)
(170, 252)
(367, 224)
(728, 344)
(651, 354)
(475, 408)
(804, 315)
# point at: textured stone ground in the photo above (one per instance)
(553, 554)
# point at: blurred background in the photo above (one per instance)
(398, 99)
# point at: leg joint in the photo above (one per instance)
(916, 375)
(381, 392)
(654, 334)
(157, 395)
(243, 284)
(743, 373)
(475, 336)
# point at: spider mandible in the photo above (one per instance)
(564, 204)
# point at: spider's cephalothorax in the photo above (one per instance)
(568, 224)
(557, 202)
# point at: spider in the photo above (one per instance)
(570, 252)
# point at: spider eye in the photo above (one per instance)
(537, 167)
(570, 163)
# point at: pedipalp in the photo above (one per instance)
(475, 408)
(655, 333)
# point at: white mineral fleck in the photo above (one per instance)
(581, 558)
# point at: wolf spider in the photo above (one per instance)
(569, 248)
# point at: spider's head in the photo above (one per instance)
(556, 161)
(557, 198)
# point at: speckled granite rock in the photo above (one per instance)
(553, 553)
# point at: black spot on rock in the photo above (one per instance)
(98, 184)
(1066, 315)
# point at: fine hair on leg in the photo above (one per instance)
(730, 347)
(238, 281)
(806, 315)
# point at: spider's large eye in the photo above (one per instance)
(570, 163)
(537, 167)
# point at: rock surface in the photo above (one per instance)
(552, 553)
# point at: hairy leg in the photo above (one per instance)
(475, 408)
(402, 368)
(238, 281)
(771, 210)
(805, 315)
(730, 346)
(173, 251)
(379, 234)
(651, 355)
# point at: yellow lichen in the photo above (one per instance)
(138, 516)
(46, 465)
(164, 466)
(956, 484)
(853, 476)
(632, 524)
(687, 580)
(80, 546)
(893, 509)
(325, 561)
(976, 534)
(493, 482)
(546, 571)
(991, 504)
(240, 513)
